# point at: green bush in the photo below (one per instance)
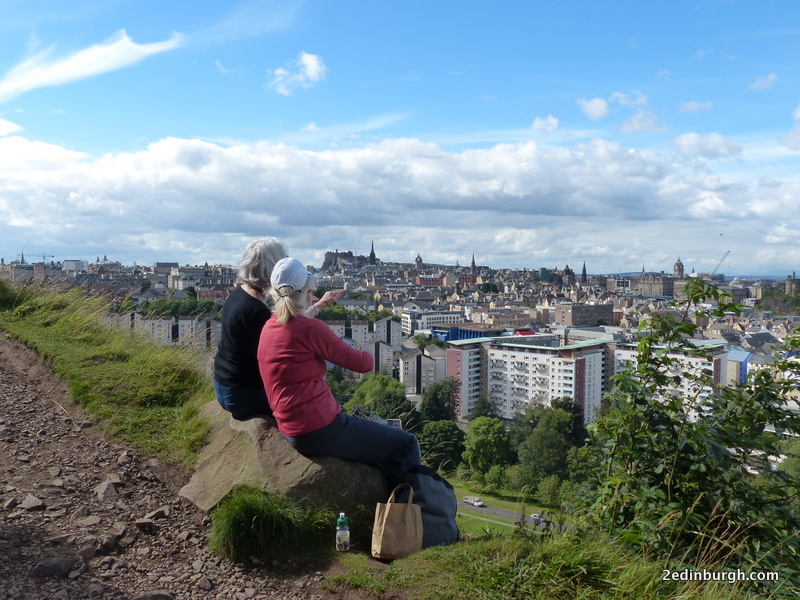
(674, 473)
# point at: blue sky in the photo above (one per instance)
(622, 134)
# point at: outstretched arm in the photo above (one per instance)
(330, 298)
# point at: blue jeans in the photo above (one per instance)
(352, 438)
(242, 403)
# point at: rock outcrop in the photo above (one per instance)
(254, 453)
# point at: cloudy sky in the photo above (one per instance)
(623, 134)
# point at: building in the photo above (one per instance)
(465, 364)
(417, 372)
(576, 315)
(656, 284)
(383, 355)
(712, 368)
(520, 373)
(389, 331)
(414, 320)
(359, 332)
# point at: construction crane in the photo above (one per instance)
(46, 256)
(719, 264)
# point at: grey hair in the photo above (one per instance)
(258, 260)
(293, 302)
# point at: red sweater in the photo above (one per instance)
(291, 359)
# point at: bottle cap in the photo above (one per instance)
(342, 520)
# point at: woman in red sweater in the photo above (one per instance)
(292, 356)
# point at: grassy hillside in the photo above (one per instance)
(148, 396)
(139, 392)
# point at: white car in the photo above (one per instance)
(537, 519)
(478, 502)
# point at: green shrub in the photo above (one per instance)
(673, 472)
(253, 523)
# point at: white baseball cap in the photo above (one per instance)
(289, 272)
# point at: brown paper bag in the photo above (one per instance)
(397, 531)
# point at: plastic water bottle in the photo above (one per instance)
(342, 534)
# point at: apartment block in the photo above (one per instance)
(389, 331)
(519, 373)
(383, 355)
(714, 367)
(359, 332)
(465, 364)
(417, 372)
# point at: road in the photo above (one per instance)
(492, 513)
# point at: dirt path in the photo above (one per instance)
(85, 517)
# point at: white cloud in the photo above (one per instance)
(7, 127)
(764, 83)
(594, 108)
(312, 127)
(304, 72)
(796, 114)
(512, 204)
(635, 100)
(781, 234)
(710, 146)
(19, 154)
(221, 68)
(709, 204)
(792, 139)
(42, 70)
(695, 106)
(642, 121)
(547, 125)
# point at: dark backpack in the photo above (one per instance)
(436, 499)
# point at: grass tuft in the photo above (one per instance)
(251, 523)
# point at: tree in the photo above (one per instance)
(442, 444)
(576, 433)
(422, 341)
(496, 477)
(386, 397)
(145, 284)
(439, 401)
(191, 292)
(673, 470)
(549, 490)
(188, 307)
(538, 415)
(486, 445)
(206, 308)
(544, 453)
(484, 407)
(128, 305)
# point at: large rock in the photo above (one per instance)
(254, 453)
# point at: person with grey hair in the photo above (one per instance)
(237, 382)
(292, 356)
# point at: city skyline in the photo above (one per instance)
(528, 134)
(429, 267)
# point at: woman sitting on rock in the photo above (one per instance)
(292, 355)
(237, 381)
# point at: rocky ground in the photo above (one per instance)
(85, 517)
